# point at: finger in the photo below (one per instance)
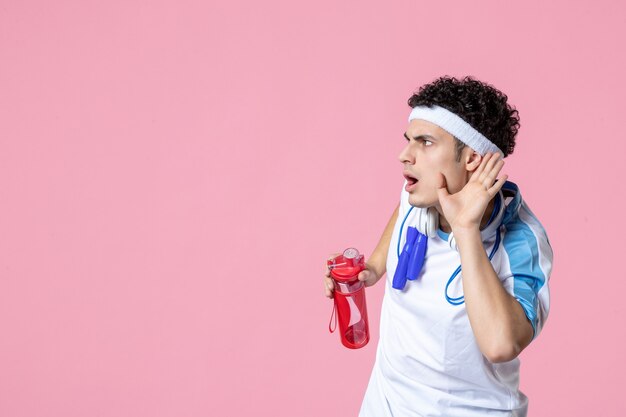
(491, 175)
(327, 268)
(442, 190)
(329, 283)
(493, 160)
(328, 287)
(498, 185)
(364, 275)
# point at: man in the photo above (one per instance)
(467, 262)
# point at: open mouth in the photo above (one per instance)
(410, 179)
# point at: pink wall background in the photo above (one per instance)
(174, 174)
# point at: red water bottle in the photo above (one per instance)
(349, 299)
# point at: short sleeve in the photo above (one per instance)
(527, 266)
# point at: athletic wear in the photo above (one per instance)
(427, 361)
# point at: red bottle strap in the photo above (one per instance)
(333, 314)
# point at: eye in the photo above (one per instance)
(423, 141)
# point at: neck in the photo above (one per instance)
(445, 225)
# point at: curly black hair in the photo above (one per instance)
(478, 103)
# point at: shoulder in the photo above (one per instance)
(524, 237)
(518, 217)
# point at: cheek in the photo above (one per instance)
(455, 181)
(431, 172)
(431, 178)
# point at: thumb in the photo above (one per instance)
(442, 190)
(364, 275)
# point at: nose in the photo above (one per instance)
(406, 156)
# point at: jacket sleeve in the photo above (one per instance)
(527, 266)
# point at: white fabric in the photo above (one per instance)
(427, 361)
(456, 126)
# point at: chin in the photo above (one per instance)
(420, 203)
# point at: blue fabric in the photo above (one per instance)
(521, 246)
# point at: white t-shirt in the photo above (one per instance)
(427, 361)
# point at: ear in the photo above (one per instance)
(472, 159)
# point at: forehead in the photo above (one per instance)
(418, 127)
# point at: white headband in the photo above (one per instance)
(456, 126)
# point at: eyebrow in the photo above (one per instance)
(427, 137)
